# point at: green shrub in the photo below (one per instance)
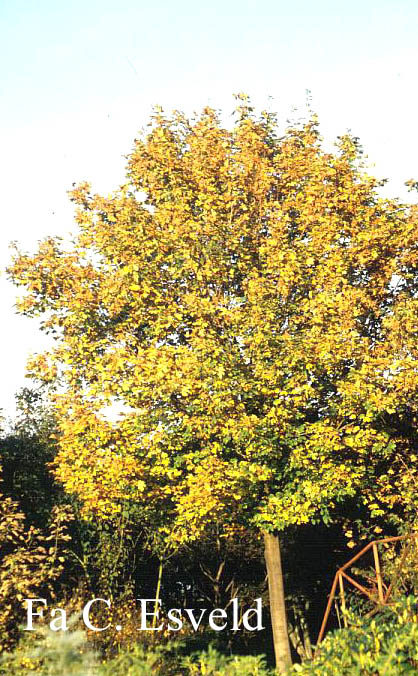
(212, 663)
(142, 661)
(51, 653)
(386, 645)
(168, 662)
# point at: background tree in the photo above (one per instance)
(251, 301)
(27, 447)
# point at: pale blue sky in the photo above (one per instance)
(78, 79)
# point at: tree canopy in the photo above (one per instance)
(251, 301)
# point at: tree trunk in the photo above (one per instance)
(277, 602)
(157, 594)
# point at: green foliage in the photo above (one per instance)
(51, 654)
(386, 645)
(212, 663)
(106, 555)
(139, 661)
(69, 654)
(27, 447)
(168, 662)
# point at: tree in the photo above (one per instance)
(250, 300)
(27, 448)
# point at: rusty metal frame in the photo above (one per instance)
(341, 575)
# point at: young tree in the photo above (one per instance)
(250, 300)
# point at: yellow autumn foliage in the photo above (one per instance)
(250, 301)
